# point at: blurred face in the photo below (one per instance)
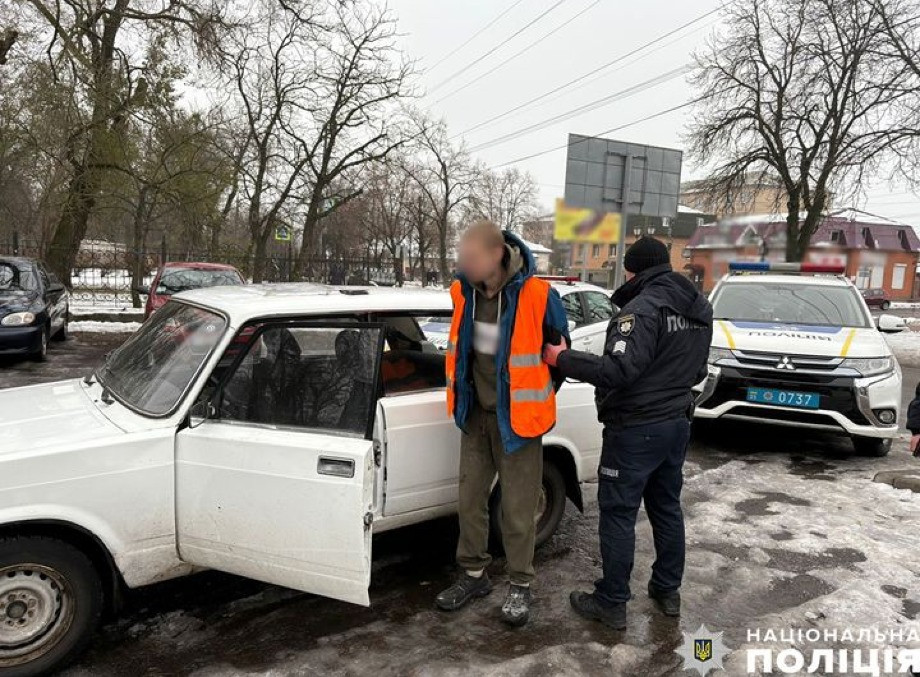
(477, 261)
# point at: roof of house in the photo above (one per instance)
(848, 228)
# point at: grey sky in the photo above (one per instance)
(597, 32)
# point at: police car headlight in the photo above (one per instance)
(716, 354)
(869, 366)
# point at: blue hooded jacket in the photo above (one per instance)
(555, 326)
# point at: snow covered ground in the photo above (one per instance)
(906, 347)
(95, 327)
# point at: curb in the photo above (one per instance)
(900, 479)
(103, 316)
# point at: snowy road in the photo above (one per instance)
(785, 530)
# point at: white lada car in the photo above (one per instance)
(265, 431)
(796, 347)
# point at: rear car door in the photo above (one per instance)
(575, 313)
(277, 484)
(598, 311)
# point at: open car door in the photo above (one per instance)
(278, 483)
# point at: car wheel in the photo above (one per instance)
(62, 333)
(886, 305)
(550, 506)
(42, 353)
(50, 604)
(871, 446)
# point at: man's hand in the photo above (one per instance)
(551, 352)
(914, 442)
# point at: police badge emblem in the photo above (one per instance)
(702, 649)
(625, 325)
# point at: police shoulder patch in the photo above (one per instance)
(625, 324)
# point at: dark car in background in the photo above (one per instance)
(876, 298)
(34, 307)
(174, 277)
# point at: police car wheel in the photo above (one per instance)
(550, 507)
(871, 446)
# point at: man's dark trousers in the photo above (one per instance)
(641, 462)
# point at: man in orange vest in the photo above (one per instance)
(502, 396)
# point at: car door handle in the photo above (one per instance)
(336, 467)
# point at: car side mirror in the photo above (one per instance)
(891, 324)
(142, 289)
(571, 326)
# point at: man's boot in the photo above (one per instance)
(667, 602)
(587, 606)
(516, 608)
(464, 589)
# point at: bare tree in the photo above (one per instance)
(445, 177)
(360, 78)
(387, 218)
(84, 45)
(803, 90)
(508, 197)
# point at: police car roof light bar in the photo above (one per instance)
(781, 267)
(560, 278)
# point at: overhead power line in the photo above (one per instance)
(519, 52)
(593, 105)
(497, 47)
(476, 34)
(580, 78)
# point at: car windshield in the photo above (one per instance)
(152, 369)
(15, 277)
(790, 304)
(175, 280)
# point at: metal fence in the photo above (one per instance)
(107, 273)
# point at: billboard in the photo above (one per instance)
(577, 224)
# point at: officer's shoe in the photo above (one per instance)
(587, 606)
(667, 602)
(516, 608)
(464, 589)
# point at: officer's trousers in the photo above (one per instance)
(641, 462)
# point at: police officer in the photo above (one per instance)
(656, 350)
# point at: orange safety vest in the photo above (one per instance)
(532, 393)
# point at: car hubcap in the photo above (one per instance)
(35, 610)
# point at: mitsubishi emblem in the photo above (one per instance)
(785, 363)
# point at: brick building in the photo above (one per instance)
(876, 252)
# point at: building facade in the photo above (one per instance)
(875, 252)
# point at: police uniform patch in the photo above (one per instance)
(625, 324)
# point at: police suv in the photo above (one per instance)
(795, 345)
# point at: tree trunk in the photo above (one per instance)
(442, 249)
(793, 206)
(65, 243)
(308, 242)
(138, 246)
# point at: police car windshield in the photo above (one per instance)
(790, 304)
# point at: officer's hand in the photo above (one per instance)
(551, 352)
(915, 445)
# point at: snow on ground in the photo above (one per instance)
(901, 305)
(906, 347)
(104, 327)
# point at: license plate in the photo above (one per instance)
(785, 398)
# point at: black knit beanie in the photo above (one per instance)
(645, 252)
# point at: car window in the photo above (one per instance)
(15, 277)
(600, 308)
(320, 378)
(436, 329)
(155, 366)
(174, 280)
(410, 361)
(573, 310)
(790, 304)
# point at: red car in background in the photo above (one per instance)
(877, 298)
(176, 276)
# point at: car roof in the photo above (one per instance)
(245, 302)
(804, 280)
(199, 265)
(18, 261)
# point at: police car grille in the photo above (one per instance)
(771, 360)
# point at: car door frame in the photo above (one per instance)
(314, 576)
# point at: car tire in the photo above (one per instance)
(550, 510)
(871, 446)
(886, 305)
(63, 332)
(42, 353)
(56, 605)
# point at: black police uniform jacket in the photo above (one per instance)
(656, 350)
